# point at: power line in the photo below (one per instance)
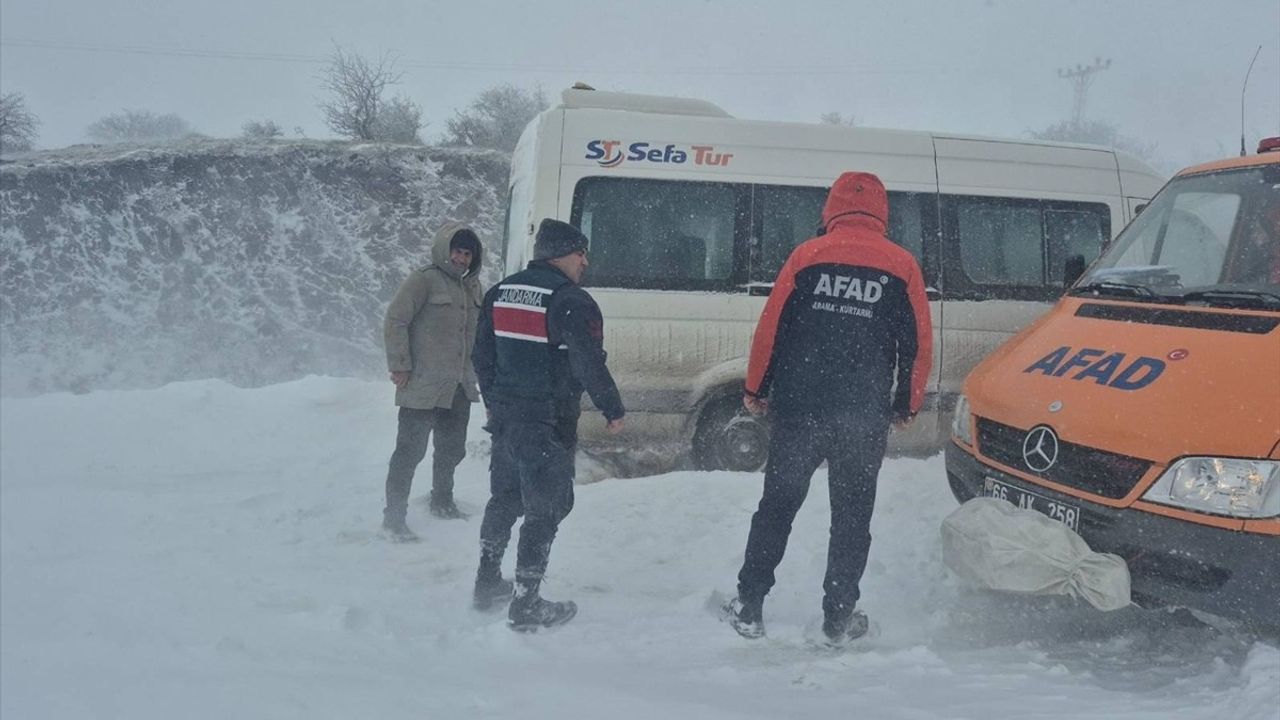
(172, 52)
(723, 70)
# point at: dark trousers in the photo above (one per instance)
(449, 425)
(530, 474)
(853, 447)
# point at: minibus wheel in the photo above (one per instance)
(730, 438)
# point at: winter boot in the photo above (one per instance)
(843, 627)
(442, 506)
(746, 616)
(396, 530)
(529, 611)
(491, 591)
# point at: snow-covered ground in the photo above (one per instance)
(202, 551)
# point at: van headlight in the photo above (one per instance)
(1226, 486)
(961, 423)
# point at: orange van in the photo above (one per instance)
(1143, 410)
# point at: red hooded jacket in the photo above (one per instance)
(847, 311)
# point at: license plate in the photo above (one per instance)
(1068, 515)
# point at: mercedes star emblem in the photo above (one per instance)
(1040, 448)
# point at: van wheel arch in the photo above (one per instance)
(726, 436)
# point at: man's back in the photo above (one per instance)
(540, 344)
(846, 309)
(523, 360)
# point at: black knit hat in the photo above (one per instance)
(465, 239)
(557, 239)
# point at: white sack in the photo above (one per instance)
(1002, 547)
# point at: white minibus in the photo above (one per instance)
(692, 212)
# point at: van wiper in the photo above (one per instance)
(1235, 297)
(1110, 287)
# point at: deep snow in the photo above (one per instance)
(203, 551)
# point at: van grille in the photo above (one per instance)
(1084, 468)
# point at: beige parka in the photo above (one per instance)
(430, 328)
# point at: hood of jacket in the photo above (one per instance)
(858, 198)
(440, 250)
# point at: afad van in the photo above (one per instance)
(1143, 410)
(691, 213)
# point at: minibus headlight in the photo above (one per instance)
(961, 423)
(1226, 486)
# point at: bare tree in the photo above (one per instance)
(1097, 132)
(138, 126)
(355, 107)
(496, 118)
(399, 121)
(261, 130)
(17, 124)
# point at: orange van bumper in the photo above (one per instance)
(1229, 573)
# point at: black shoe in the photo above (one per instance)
(530, 613)
(446, 509)
(491, 593)
(841, 628)
(744, 616)
(398, 531)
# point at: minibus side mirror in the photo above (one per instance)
(1072, 270)
(932, 293)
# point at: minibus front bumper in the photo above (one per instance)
(1229, 573)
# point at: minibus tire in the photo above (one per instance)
(730, 438)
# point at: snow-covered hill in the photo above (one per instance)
(253, 262)
(204, 551)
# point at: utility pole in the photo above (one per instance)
(1081, 77)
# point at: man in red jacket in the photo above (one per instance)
(847, 317)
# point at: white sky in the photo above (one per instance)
(976, 66)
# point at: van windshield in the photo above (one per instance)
(1211, 238)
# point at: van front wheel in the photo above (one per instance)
(730, 438)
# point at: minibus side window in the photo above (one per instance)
(1000, 242)
(1016, 248)
(907, 223)
(1072, 232)
(789, 215)
(661, 234)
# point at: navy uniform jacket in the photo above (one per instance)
(539, 345)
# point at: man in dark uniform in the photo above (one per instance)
(539, 344)
(846, 317)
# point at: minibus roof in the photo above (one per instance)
(585, 98)
(573, 98)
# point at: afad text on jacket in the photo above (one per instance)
(847, 311)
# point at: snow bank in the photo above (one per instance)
(205, 551)
(254, 262)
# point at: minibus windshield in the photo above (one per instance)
(1212, 238)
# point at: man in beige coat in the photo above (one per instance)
(430, 330)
